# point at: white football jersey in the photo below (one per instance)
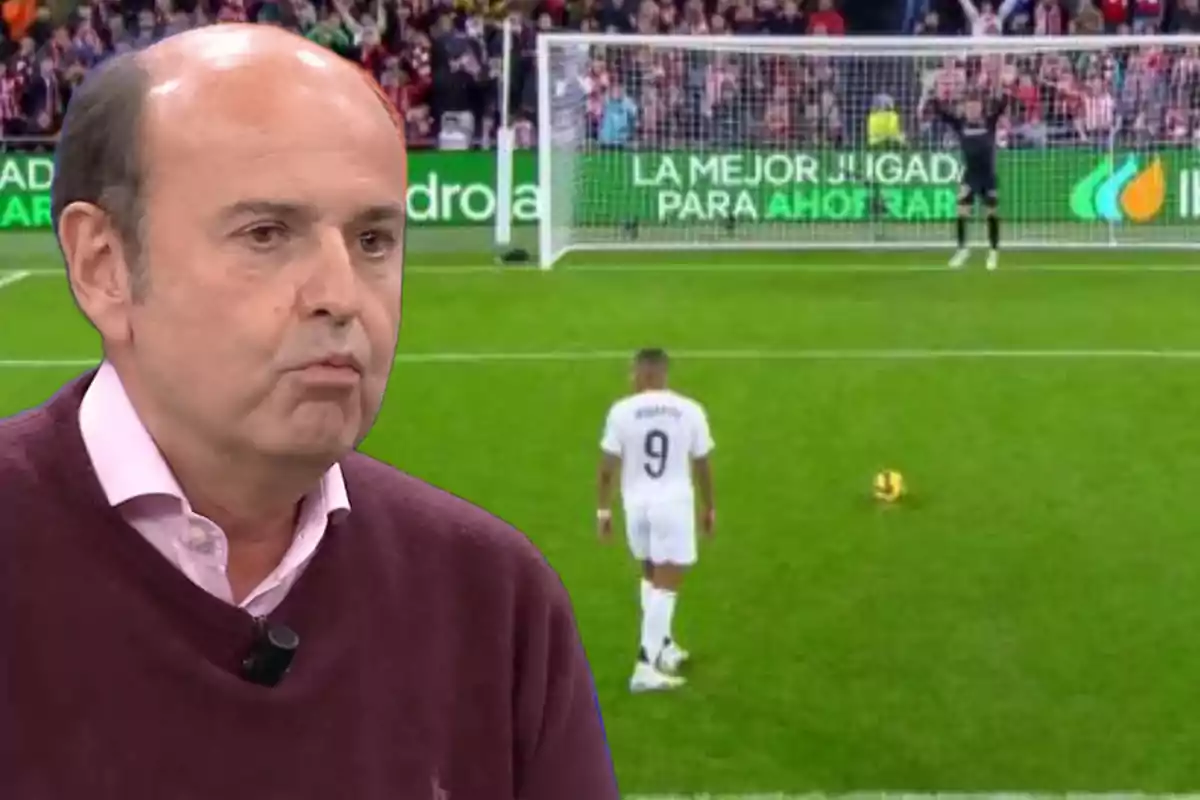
(656, 435)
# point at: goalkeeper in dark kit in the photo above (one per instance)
(975, 128)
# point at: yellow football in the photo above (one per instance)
(889, 486)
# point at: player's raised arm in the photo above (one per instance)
(999, 106)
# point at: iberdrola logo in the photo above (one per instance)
(1130, 192)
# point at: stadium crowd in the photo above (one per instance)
(440, 63)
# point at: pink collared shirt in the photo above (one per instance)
(138, 482)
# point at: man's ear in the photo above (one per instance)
(97, 268)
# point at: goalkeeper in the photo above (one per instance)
(975, 128)
(883, 123)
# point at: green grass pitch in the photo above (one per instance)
(1029, 620)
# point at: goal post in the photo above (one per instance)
(650, 142)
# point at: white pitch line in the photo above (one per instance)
(862, 269)
(9, 278)
(750, 268)
(802, 355)
(577, 356)
(919, 796)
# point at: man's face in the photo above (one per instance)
(973, 110)
(273, 239)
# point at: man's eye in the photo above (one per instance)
(377, 243)
(265, 235)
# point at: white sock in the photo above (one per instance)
(647, 588)
(656, 623)
(667, 610)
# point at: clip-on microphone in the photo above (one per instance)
(271, 654)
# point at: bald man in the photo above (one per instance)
(205, 592)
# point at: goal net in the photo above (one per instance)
(666, 142)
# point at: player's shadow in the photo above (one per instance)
(907, 504)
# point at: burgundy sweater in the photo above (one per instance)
(438, 655)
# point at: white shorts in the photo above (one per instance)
(662, 533)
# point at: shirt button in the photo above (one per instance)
(198, 541)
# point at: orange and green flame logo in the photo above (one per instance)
(1130, 192)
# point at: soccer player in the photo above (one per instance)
(975, 128)
(661, 441)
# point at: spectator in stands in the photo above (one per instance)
(1025, 108)
(19, 16)
(790, 22)
(1148, 16)
(147, 31)
(1088, 20)
(826, 20)
(745, 23)
(986, 19)
(42, 27)
(777, 119)
(1050, 18)
(44, 100)
(1096, 111)
(928, 25)
(1186, 17)
(457, 99)
(729, 123)
(328, 28)
(1116, 13)
(618, 118)
(12, 121)
(88, 46)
